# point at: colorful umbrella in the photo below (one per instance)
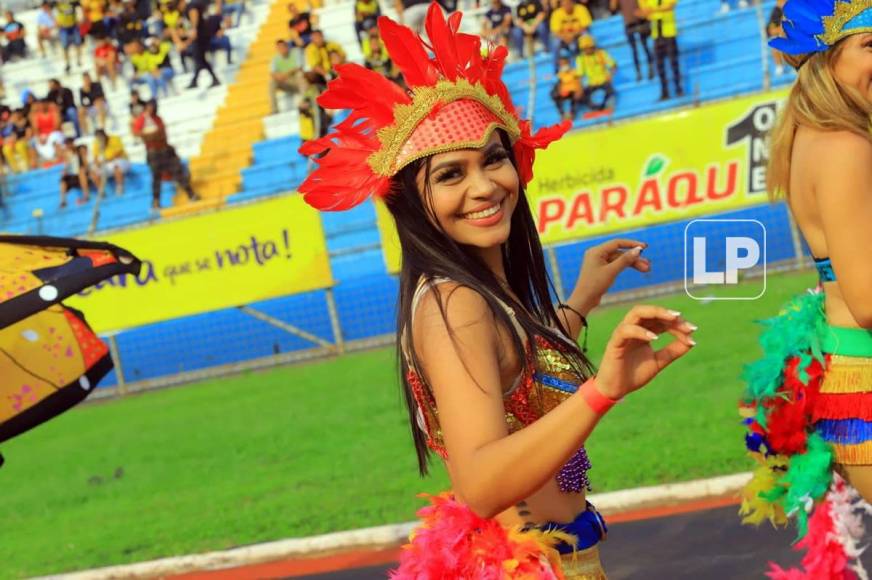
(49, 358)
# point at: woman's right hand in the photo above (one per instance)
(629, 361)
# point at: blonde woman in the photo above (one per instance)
(809, 400)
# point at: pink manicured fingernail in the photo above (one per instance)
(651, 335)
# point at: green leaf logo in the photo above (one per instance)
(655, 165)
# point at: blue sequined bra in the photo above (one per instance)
(825, 269)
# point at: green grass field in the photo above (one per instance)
(324, 446)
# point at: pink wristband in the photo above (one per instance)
(598, 402)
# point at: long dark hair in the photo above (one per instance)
(427, 250)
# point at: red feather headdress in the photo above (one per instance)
(456, 98)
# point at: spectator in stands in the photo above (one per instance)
(530, 23)
(95, 11)
(664, 31)
(28, 99)
(129, 30)
(113, 18)
(66, 104)
(159, 53)
(137, 104)
(638, 30)
(375, 56)
(230, 8)
(17, 135)
(300, 26)
(286, 74)
(172, 19)
(155, 25)
(45, 118)
(337, 57)
(13, 34)
(145, 70)
(46, 28)
(773, 29)
(411, 13)
(92, 105)
(67, 16)
(110, 160)
(75, 173)
(568, 22)
(596, 68)
(199, 40)
(725, 5)
(320, 55)
(143, 9)
(217, 23)
(313, 125)
(567, 89)
(366, 13)
(496, 26)
(106, 60)
(161, 156)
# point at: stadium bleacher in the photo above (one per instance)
(721, 58)
(188, 116)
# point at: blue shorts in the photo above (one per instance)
(588, 527)
(70, 35)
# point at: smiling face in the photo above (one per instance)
(853, 66)
(472, 193)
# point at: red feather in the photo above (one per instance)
(353, 89)
(454, 21)
(442, 41)
(407, 52)
(525, 147)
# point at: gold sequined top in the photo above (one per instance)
(546, 380)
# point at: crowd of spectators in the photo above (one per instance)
(305, 61)
(583, 70)
(112, 29)
(139, 42)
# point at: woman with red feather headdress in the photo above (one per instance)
(493, 376)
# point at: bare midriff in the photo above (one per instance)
(548, 504)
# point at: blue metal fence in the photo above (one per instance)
(365, 298)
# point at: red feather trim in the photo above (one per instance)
(454, 542)
(843, 406)
(525, 147)
(407, 52)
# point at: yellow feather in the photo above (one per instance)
(755, 509)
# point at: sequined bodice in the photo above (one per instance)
(544, 383)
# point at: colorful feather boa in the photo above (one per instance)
(832, 543)
(454, 542)
(794, 470)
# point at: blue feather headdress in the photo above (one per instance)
(816, 25)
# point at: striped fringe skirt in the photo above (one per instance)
(842, 409)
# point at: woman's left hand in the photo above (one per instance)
(602, 264)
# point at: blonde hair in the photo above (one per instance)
(818, 101)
